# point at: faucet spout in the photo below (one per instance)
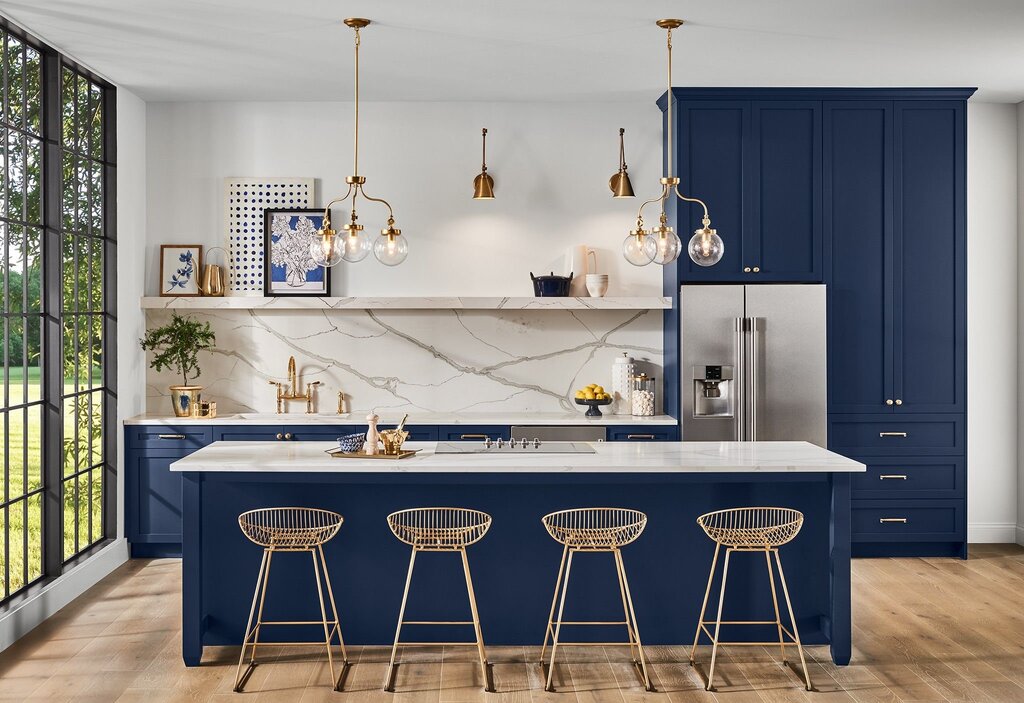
(293, 381)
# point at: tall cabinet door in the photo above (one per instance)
(929, 291)
(782, 241)
(858, 222)
(712, 138)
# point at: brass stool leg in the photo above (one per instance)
(389, 682)
(558, 625)
(323, 615)
(645, 676)
(554, 601)
(484, 668)
(704, 605)
(718, 621)
(625, 610)
(337, 621)
(792, 619)
(248, 626)
(775, 602)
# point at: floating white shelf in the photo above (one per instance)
(406, 303)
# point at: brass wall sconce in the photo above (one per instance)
(483, 185)
(619, 183)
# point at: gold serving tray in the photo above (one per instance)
(404, 454)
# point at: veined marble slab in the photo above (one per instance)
(415, 418)
(417, 361)
(609, 457)
(407, 303)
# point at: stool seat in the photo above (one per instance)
(439, 529)
(595, 528)
(757, 528)
(290, 528)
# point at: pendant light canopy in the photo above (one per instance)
(661, 244)
(353, 245)
(619, 183)
(483, 185)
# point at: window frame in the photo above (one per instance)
(54, 560)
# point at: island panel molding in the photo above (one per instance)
(416, 361)
(411, 303)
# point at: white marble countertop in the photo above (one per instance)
(415, 418)
(609, 457)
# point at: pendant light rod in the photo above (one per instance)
(356, 23)
(622, 148)
(483, 156)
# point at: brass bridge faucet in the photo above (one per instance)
(293, 393)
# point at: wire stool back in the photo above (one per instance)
(439, 529)
(595, 528)
(290, 528)
(752, 527)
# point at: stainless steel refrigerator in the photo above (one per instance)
(753, 362)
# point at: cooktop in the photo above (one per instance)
(514, 446)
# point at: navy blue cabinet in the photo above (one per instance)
(652, 433)
(731, 155)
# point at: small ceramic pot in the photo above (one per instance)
(184, 398)
(597, 284)
(551, 286)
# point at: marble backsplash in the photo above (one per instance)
(432, 361)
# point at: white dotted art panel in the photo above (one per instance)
(245, 199)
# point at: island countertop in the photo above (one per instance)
(608, 457)
(392, 417)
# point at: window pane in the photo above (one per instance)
(68, 352)
(3, 557)
(35, 537)
(69, 279)
(69, 489)
(33, 80)
(34, 433)
(15, 83)
(67, 200)
(96, 276)
(83, 510)
(16, 525)
(33, 194)
(96, 428)
(97, 505)
(16, 360)
(15, 175)
(96, 204)
(82, 116)
(95, 122)
(70, 439)
(34, 263)
(96, 357)
(16, 453)
(67, 101)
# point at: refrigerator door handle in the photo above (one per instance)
(754, 365)
(740, 382)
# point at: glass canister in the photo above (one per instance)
(623, 370)
(643, 395)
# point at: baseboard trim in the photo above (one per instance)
(27, 614)
(1020, 535)
(993, 533)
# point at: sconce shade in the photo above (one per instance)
(620, 185)
(483, 187)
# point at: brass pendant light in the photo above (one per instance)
(619, 183)
(483, 185)
(329, 249)
(661, 244)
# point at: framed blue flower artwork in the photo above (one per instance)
(179, 269)
(288, 235)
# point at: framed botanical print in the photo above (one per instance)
(288, 235)
(179, 269)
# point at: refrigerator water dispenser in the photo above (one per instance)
(713, 393)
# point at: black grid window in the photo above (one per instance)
(57, 222)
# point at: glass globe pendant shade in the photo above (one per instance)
(355, 246)
(706, 247)
(391, 249)
(325, 250)
(667, 245)
(639, 248)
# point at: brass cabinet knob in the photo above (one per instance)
(280, 436)
(746, 269)
(888, 401)
(899, 402)
(757, 269)
(287, 435)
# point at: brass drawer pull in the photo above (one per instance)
(639, 436)
(287, 435)
(279, 436)
(901, 520)
(171, 436)
(898, 477)
(473, 436)
(892, 434)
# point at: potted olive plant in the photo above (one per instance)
(176, 345)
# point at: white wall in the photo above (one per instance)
(550, 162)
(992, 308)
(1020, 328)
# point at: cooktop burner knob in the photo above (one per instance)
(488, 443)
(512, 443)
(525, 442)
(501, 443)
(536, 443)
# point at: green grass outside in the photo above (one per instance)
(24, 469)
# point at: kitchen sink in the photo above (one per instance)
(272, 418)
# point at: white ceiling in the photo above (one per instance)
(530, 50)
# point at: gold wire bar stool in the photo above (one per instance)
(440, 530)
(290, 530)
(750, 530)
(594, 530)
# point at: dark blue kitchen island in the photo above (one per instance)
(516, 563)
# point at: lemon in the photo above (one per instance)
(589, 394)
(598, 389)
(580, 395)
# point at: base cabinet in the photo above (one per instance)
(153, 491)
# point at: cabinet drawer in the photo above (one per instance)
(656, 433)
(911, 477)
(907, 520)
(472, 433)
(183, 438)
(923, 435)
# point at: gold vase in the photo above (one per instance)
(184, 398)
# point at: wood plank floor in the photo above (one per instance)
(924, 630)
